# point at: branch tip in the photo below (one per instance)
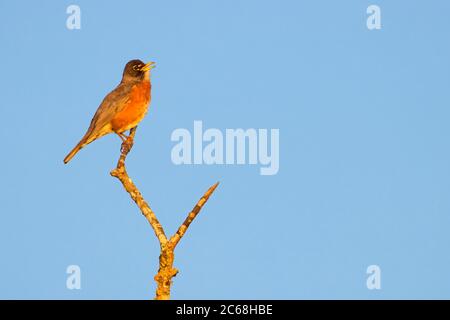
(211, 189)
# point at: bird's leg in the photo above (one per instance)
(130, 138)
(125, 145)
(127, 141)
(122, 136)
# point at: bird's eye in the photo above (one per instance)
(135, 68)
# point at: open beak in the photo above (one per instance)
(148, 66)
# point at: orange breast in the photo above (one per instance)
(135, 110)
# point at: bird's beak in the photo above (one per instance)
(148, 66)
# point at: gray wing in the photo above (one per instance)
(113, 103)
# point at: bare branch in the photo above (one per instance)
(191, 216)
(166, 270)
(121, 173)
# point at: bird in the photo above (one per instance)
(123, 108)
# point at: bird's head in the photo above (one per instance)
(137, 70)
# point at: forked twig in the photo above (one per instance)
(167, 246)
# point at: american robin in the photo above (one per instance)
(123, 108)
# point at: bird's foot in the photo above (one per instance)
(127, 144)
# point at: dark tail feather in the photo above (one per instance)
(88, 138)
(74, 151)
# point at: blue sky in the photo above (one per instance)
(364, 171)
